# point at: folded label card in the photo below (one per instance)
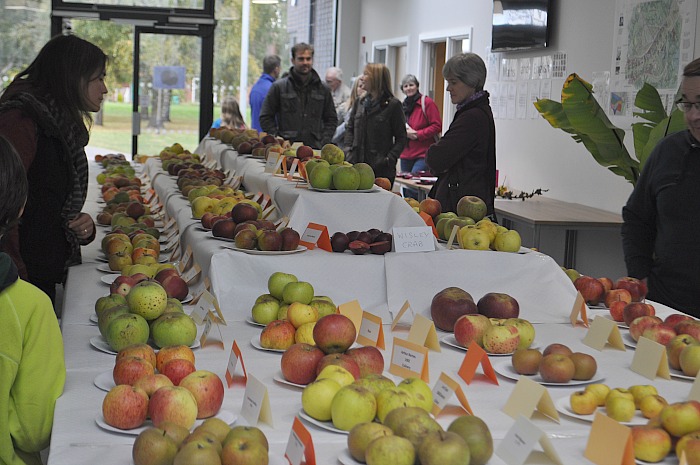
(650, 359)
(292, 170)
(256, 402)
(520, 442)
(453, 235)
(413, 239)
(353, 311)
(316, 235)
(406, 306)
(199, 288)
(300, 446)
(609, 443)
(444, 389)
(579, 308)
(423, 333)
(409, 360)
(190, 275)
(184, 263)
(429, 222)
(695, 390)
(474, 357)
(233, 360)
(603, 331)
(371, 331)
(528, 396)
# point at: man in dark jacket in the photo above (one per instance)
(300, 107)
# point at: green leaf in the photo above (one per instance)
(670, 125)
(648, 99)
(553, 112)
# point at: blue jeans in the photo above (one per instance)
(412, 166)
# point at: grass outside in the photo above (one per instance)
(115, 132)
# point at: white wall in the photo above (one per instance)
(530, 153)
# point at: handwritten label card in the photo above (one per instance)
(198, 289)
(273, 163)
(206, 330)
(474, 357)
(423, 333)
(603, 331)
(520, 442)
(650, 359)
(206, 303)
(406, 306)
(413, 239)
(353, 311)
(316, 235)
(610, 442)
(300, 446)
(371, 331)
(409, 360)
(256, 402)
(528, 396)
(233, 360)
(190, 275)
(444, 389)
(579, 309)
(169, 225)
(184, 263)
(292, 170)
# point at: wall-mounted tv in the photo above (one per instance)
(520, 24)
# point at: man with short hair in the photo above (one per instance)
(300, 107)
(271, 71)
(339, 91)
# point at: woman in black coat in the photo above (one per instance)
(376, 132)
(464, 159)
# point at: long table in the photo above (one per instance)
(381, 284)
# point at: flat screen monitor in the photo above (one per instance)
(520, 25)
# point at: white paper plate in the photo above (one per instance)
(629, 341)
(99, 343)
(104, 267)
(359, 191)
(279, 377)
(187, 299)
(300, 248)
(93, 319)
(202, 228)
(563, 406)
(450, 340)
(505, 368)
(679, 374)
(346, 459)
(224, 239)
(225, 415)
(327, 425)
(108, 279)
(255, 342)
(101, 259)
(252, 322)
(276, 459)
(104, 381)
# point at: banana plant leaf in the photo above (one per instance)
(669, 125)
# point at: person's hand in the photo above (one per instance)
(82, 226)
(411, 133)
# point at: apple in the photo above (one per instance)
(278, 334)
(401, 415)
(126, 329)
(470, 328)
(585, 365)
(334, 333)
(277, 281)
(298, 314)
(416, 428)
(583, 402)
(266, 311)
(108, 301)
(508, 241)
(591, 289)
(208, 391)
(175, 287)
(443, 448)
(175, 404)
(501, 339)
(242, 451)
(393, 398)
(641, 324)
(128, 370)
(197, 452)
(498, 305)
(317, 397)
(297, 291)
(342, 360)
(675, 318)
(153, 447)
(651, 444)
(218, 427)
(177, 369)
(224, 228)
(323, 307)
(305, 333)
(617, 295)
(620, 408)
(659, 333)
(148, 299)
(430, 206)
(352, 405)
(635, 310)
(690, 327)
(122, 285)
(557, 368)
(525, 330)
(448, 305)
(674, 348)
(109, 314)
(421, 392)
(473, 238)
(607, 284)
(369, 359)
(651, 405)
(557, 348)
(393, 450)
(472, 206)
(375, 383)
(125, 407)
(600, 390)
(477, 436)
(361, 435)
(144, 351)
(689, 360)
(243, 212)
(151, 383)
(617, 310)
(203, 437)
(636, 288)
(174, 329)
(168, 353)
(299, 363)
(681, 418)
(251, 432)
(639, 391)
(690, 445)
(526, 361)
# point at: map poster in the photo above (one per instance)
(653, 41)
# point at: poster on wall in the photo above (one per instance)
(653, 41)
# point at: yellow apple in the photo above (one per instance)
(317, 397)
(299, 314)
(305, 333)
(337, 373)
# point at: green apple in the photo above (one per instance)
(317, 397)
(323, 307)
(375, 382)
(277, 281)
(174, 329)
(639, 391)
(443, 448)
(390, 450)
(106, 317)
(508, 241)
(250, 432)
(477, 436)
(201, 205)
(416, 428)
(108, 301)
(689, 360)
(125, 330)
(620, 408)
(196, 452)
(299, 291)
(362, 434)
(153, 447)
(472, 206)
(526, 331)
(148, 299)
(337, 373)
(421, 392)
(393, 398)
(265, 312)
(352, 405)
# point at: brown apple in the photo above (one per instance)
(557, 348)
(557, 368)
(498, 305)
(585, 366)
(448, 305)
(526, 361)
(299, 363)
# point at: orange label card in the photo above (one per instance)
(423, 333)
(233, 359)
(579, 309)
(429, 222)
(353, 311)
(316, 235)
(371, 331)
(603, 331)
(184, 263)
(528, 396)
(190, 275)
(300, 446)
(519, 444)
(610, 443)
(256, 402)
(409, 360)
(453, 234)
(444, 389)
(292, 170)
(650, 359)
(474, 357)
(400, 313)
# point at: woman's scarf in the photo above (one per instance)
(56, 123)
(409, 103)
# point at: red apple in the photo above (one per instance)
(175, 287)
(122, 285)
(448, 305)
(641, 324)
(343, 360)
(138, 277)
(617, 310)
(334, 333)
(607, 283)
(151, 383)
(168, 353)
(617, 295)
(691, 327)
(299, 363)
(224, 228)
(636, 288)
(127, 370)
(690, 444)
(498, 305)
(557, 348)
(659, 333)
(206, 220)
(470, 328)
(125, 407)
(177, 369)
(368, 358)
(243, 212)
(651, 444)
(634, 310)
(673, 319)
(162, 274)
(208, 391)
(278, 334)
(144, 351)
(173, 404)
(430, 206)
(591, 289)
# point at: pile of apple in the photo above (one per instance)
(164, 274)
(178, 393)
(556, 364)
(409, 435)
(249, 141)
(123, 249)
(361, 242)
(132, 315)
(331, 171)
(176, 155)
(597, 290)
(213, 442)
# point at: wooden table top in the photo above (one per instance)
(546, 211)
